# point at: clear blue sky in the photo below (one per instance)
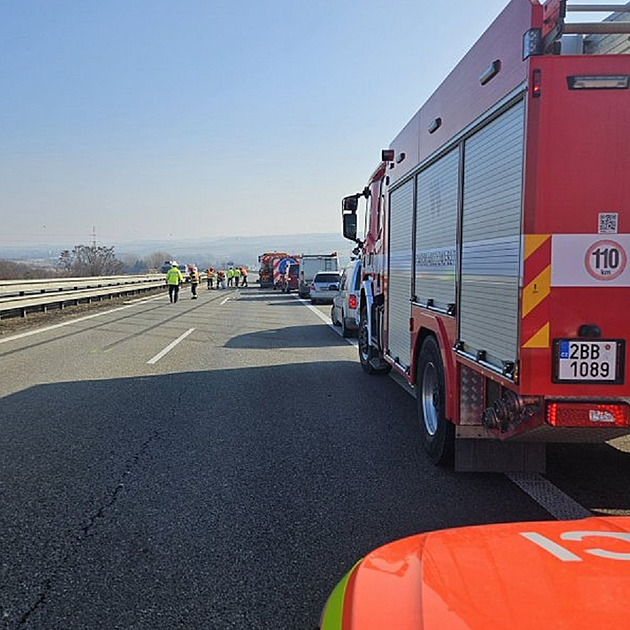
(199, 118)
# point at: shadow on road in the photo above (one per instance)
(268, 296)
(288, 302)
(312, 336)
(217, 499)
(596, 474)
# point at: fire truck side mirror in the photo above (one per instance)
(350, 225)
(350, 204)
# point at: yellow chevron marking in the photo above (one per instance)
(533, 242)
(536, 291)
(540, 339)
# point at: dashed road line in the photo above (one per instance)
(168, 348)
(548, 496)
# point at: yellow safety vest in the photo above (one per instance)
(174, 276)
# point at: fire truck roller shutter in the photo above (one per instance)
(400, 269)
(491, 227)
(436, 232)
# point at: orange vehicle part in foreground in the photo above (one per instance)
(562, 574)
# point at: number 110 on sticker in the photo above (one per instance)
(605, 260)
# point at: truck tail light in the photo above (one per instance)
(602, 82)
(574, 414)
(352, 301)
(536, 83)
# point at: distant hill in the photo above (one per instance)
(242, 250)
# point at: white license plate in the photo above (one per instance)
(588, 361)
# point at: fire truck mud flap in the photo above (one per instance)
(487, 455)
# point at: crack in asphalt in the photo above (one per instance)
(86, 531)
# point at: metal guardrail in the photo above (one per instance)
(20, 297)
(20, 288)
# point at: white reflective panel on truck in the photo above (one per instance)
(436, 232)
(400, 268)
(491, 227)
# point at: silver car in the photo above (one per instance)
(325, 286)
(345, 308)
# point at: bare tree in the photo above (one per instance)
(90, 260)
(155, 260)
(134, 265)
(10, 270)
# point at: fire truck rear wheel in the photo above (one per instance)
(437, 433)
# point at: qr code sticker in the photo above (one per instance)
(608, 222)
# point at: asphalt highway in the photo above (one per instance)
(219, 463)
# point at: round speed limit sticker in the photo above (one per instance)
(605, 260)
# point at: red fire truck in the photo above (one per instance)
(495, 250)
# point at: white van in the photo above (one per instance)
(310, 264)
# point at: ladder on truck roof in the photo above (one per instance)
(613, 25)
(611, 29)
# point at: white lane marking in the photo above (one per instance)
(224, 301)
(326, 320)
(36, 331)
(67, 323)
(170, 346)
(146, 300)
(556, 502)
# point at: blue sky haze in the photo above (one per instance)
(189, 118)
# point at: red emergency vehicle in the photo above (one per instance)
(266, 271)
(495, 252)
(290, 280)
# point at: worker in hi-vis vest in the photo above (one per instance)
(174, 278)
(221, 279)
(194, 282)
(243, 276)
